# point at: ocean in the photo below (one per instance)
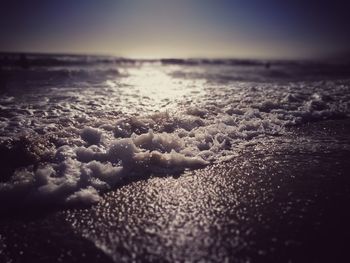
(108, 159)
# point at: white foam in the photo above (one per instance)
(91, 135)
(94, 137)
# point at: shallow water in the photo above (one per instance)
(173, 160)
(75, 127)
(280, 200)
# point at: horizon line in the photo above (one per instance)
(157, 58)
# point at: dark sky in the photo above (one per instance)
(178, 28)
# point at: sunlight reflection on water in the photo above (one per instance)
(157, 88)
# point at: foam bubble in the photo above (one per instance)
(91, 135)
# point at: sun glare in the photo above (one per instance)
(157, 85)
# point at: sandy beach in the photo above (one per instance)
(283, 200)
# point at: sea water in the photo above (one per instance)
(73, 127)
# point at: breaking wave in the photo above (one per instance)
(67, 145)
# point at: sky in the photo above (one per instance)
(178, 28)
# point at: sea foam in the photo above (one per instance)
(150, 120)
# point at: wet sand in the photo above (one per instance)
(282, 200)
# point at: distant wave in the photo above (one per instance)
(41, 60)
(52, 60)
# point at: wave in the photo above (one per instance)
(68, 148)
(14, 79)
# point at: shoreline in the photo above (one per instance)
(278, 201)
